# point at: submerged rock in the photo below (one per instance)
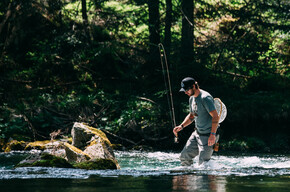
(97, 164)
(44, 160)
(90, 149)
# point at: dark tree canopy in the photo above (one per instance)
(99, 62)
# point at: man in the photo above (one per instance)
(203, 112)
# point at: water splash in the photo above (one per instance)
(218, 165)
(135, 163)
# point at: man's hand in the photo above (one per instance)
(177, 129)
(211, 140)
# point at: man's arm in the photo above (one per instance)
(187, 121)
(214, 125)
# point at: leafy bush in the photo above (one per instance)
(245, 144)
(140, 119)
(12, 125)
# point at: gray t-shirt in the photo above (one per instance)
(200, 108)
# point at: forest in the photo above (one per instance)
(100, 62)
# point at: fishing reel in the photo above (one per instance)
(176, 140)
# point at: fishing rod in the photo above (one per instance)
(170, 100)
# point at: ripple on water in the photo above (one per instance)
(219, 165)
(135, 163)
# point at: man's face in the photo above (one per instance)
(190, 91)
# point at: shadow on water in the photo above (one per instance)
(151, 183)
(152, 171)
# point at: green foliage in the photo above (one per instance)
(243, 44)
(56, 69)
(129, 21)
(50, 112)
(12, 124)
(140, 119)
(279, 142)
(246, 144)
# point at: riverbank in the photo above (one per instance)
(225, 147)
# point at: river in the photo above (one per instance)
(153, 171)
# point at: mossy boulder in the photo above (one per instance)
(39, 145)
(97, 164)
(90, 149)
(43, 145)
(74, 154)
(90, 146)
(82, 134)
(82, 160)
(92, 141)
(44, 160)
(47, 160)
(14, 145)
(97, 149)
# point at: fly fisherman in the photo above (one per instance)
(203, 112)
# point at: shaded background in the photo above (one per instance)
(99, 62)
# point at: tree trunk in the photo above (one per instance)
(168, 21)
(86, 25)
(187, 32)
(7, 15)
(84, 11)
(154, 36)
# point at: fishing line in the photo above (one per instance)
(170, 100)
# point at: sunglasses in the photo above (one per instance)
(188, 88)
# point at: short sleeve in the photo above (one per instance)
(208, 103)
(191, 100)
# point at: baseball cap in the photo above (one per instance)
(186, 83)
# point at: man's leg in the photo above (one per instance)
(189, 151)
(205, 151)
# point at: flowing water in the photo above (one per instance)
(153, 171)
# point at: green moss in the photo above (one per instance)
(69, 140)
(37, 145)
(101, 134)
(245, 144)
(14, 145)
(77, 150)
(47, 160)
(98, 164)
(23, 165)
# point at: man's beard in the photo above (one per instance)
(193, 92)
